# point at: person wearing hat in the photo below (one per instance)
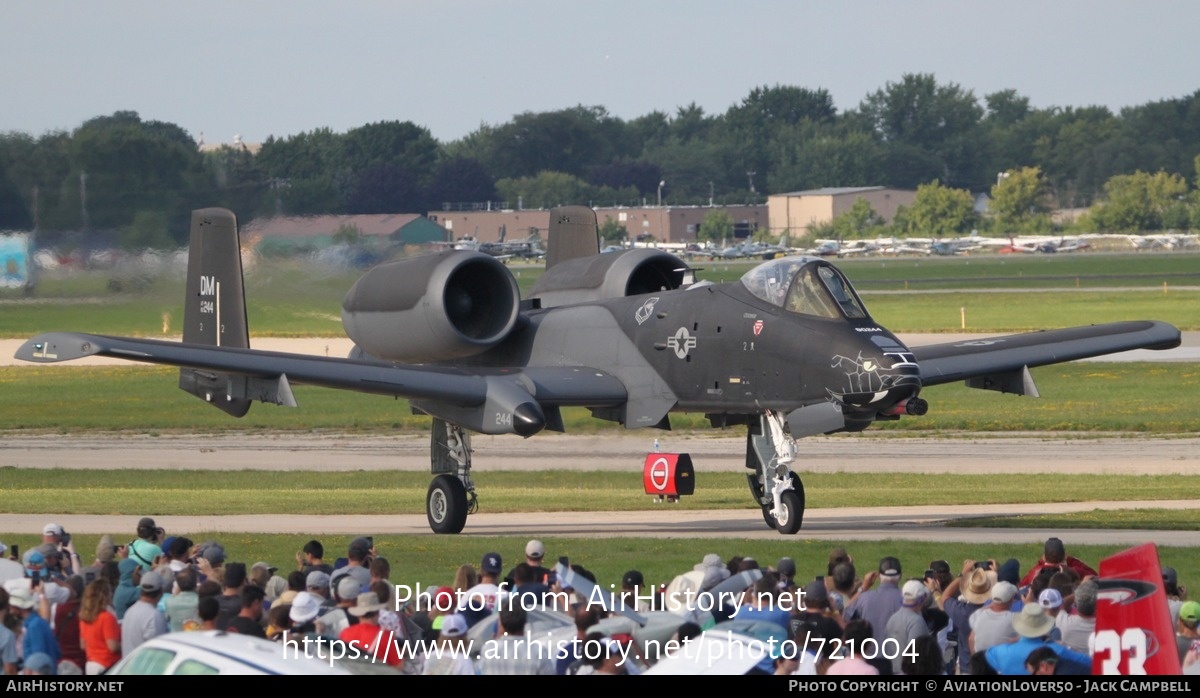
(1033, 626)
(1052, 601)
(634, 593)
(907, 624)
(785, 569)
(535, 553)
(876, 606)
(302, 616)
(965, 594)
(143, 620)
(105, 552)
(317, 583)
(992, 624)
(335, 620)
(482, 599)
(1187, 628)
(451, 657)
(367, 636)
(36, 633)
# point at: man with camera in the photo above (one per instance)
(146, 548)
(58, 553)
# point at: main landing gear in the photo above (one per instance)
(451, 496)
(770, 450)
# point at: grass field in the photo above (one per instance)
(291, 298)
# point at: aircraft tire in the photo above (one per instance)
(792, 514)
(768, 518)
(446, 504)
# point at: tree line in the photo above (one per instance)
(118, 179)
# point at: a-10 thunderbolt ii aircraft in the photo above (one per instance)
(789, 350)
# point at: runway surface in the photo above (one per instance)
(1003, 455)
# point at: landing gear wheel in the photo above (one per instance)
(791, 512)
(446, 504)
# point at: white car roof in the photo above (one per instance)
(232, 653)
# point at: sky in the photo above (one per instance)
(219, 68)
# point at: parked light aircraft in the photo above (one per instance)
(788, 351)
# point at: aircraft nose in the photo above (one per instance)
(879, 379)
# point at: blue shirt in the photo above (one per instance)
(38, 637)
(1009, 657)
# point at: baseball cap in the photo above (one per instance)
(1189, 613)
(1050, 598)
(151, 581)
(213, 552)
(633, 578)
(889, 567)
(52, 529)
(913, 593)
(317, 580)
(1170, 576)
(348, 588)
(491, 564)
(815, 594)
(1003, 592)
(535, 550)
(786, 566)
(454, 625)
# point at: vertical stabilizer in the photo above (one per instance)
(573, 233)
(1135, 632)
(215, 305)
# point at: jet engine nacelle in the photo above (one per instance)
(609, 275)
(439, 306)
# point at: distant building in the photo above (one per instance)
(797, 212)
(306, 233)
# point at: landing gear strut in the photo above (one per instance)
(770, 450)
(451, 496)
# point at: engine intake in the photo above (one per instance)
(609, 275)
(433, 307)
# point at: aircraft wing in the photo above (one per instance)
(476, 394)
(1001, 363)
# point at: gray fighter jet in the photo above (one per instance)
(788, 351)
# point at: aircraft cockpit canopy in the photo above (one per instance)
(805, 285)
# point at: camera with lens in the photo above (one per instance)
(983, 565)
(64, 539)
